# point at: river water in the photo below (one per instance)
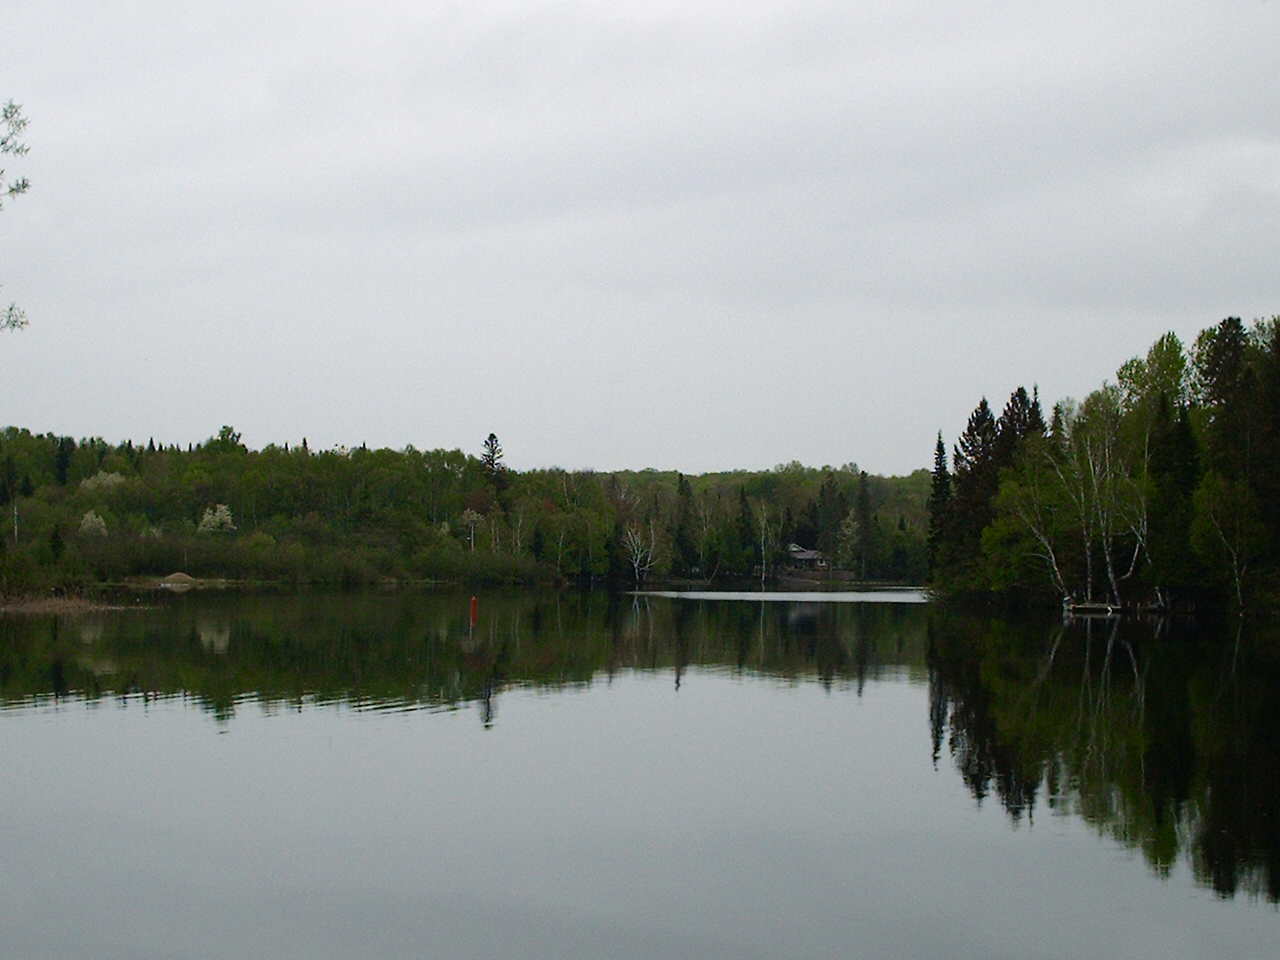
(641, 776)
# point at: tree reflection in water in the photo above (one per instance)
(1162, 736)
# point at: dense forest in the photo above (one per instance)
(78, 512)
(1161, 489)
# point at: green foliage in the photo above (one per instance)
(358, 515)
(1161, 489)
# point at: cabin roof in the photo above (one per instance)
(798, 552)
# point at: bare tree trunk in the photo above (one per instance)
(642, 554)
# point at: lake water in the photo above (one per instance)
(647, 776)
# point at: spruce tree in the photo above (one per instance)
(1174, 474)
(63, 449)
(746, 533)
(974, 483)
(1266, 461)
(864, 544)
(1225, 389)
(1020, 419)
(685, 547)
(495, 470)
(939, 501)
(832, 508)
(8, 479)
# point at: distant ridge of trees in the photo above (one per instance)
(357, 515)
(1161, 489)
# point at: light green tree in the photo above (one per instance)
(217, 519)
(92, 524)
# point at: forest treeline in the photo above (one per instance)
(78, 512)
(1161, 489)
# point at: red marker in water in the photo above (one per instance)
(475, 609)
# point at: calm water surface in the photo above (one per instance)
(332, 776)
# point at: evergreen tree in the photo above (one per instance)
(1058, 428)
(974, 483)
(495, 470)
(1020, 419)
(1174, 473)
(8, 479)
(618, 569)
(1266, 461)
(745, 531)
(939, 500)
(684, 542)
(832, 507)
(864, 543)
(1035, 423)
(806, 526)
(1225, 389)
(63, 449)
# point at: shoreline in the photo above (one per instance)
(63, 605)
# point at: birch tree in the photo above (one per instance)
(641, 550)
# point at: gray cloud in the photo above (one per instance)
(624, 235)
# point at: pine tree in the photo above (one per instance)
(495, 470)
(1020, 419)
(8, 479)
(63, 449)
(974, 483)
(684, 544)
(1266, 465)
(832, 507)
(939, 501)
(745, 531)
(618, 570)
(1174, 472)
(1036, 424)
(865, 537)
(1225, 388)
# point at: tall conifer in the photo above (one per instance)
(974, 483)
(939, 500)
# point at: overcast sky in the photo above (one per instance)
(683, 235)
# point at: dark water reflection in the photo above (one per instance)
(1164, 736)
(1161, 739)
(398, 652)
